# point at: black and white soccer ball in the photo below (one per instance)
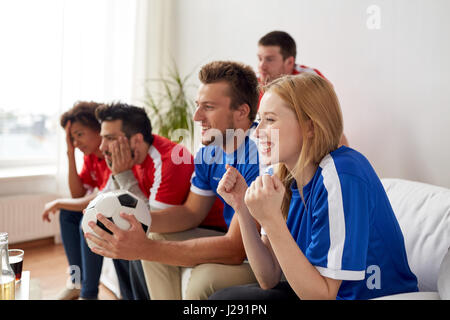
(111, 204)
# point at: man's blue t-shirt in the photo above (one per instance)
(210, 165)
(348, 229)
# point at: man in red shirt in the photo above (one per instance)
(142, 163)
(277, 52)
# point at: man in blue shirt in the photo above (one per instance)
(227, 102)
(210, 164)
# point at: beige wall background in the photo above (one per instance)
(388, 60)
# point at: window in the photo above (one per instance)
(54, 53)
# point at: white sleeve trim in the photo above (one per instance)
(336, 217)
(157, 205)
(155, 155)
(202, 192)
(341, 274)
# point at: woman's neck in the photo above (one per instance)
(308, 174)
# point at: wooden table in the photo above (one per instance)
(23, 287)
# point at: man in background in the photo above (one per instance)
(277, 52)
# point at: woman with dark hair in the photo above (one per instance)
(82, 132)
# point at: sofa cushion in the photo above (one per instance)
(423, 212)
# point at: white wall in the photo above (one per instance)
(393, 82)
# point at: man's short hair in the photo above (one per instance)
(242, 81)
(280, 39)
(82, 112)
(134, 119)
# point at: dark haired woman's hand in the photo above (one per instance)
(50, 208)
(69, 141)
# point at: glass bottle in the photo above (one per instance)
(7, 277)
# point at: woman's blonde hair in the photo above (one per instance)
(315, 104)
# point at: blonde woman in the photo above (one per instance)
(327, 224)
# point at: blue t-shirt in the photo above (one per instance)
(210, 165)
(348, 229)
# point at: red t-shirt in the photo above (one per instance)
(95, 172)
(215, 216)
(160, 179)
(165, 178)
(298, 68)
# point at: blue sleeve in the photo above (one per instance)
(200, 183)
(340, 228)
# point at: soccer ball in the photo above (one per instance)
(111, 204)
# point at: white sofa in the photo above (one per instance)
(423, 212)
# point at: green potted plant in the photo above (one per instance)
(171, 110)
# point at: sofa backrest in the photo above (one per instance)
(423, 212)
